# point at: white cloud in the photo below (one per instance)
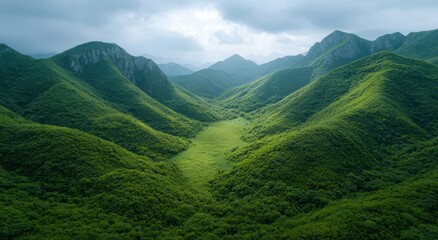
(204, 30)
(217, 37)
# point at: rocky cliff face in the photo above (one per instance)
(335, 50)
(388, 42)
(143, 72)
(340, 48)
(326, 44)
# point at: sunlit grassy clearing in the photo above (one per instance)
(206, 154)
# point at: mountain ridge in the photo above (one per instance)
(142, 72)
(174, 69)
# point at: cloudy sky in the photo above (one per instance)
(205, 31)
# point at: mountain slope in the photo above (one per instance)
(339, 137)
(62, 183)
(286, 62)
(174, 69)
(308, 102)
(94, 58)
(207, 82)
(387, 42)
(335, 50)
(420, 45)
(267, 90)
(43, 92)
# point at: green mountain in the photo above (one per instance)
(420, 45)
(174, 69)
(95, 58)
(57, 182)
(286, 62)
(267, 90)
(234, 71)
(108, 106)
(340, 48)
(387, 42)
(335, 50)
(208, 83)
(246, 70)
(343, 155)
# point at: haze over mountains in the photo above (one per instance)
(340, 143)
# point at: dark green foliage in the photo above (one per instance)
(340, 137)
(384, 78)
(57, 183)
(406, 211)
(267, 90)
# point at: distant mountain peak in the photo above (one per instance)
(236, 57)
(335, 38)
(237, 65)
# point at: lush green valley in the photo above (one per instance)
(341, 143)
(206, 155)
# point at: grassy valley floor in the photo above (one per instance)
(206, 154)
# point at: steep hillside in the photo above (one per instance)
(43, 92)
(387, 42)
(286, 62)
(421, 45)
(267, 90)
(345, 135)
(340, 48)
(100, 60)
(306, 104)
(57, 183)
(174, 69)
(335, 50)
(207, 82)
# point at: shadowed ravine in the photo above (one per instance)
(206, 154)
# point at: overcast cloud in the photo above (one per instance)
(204, 31)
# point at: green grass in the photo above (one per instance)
(207, 153)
